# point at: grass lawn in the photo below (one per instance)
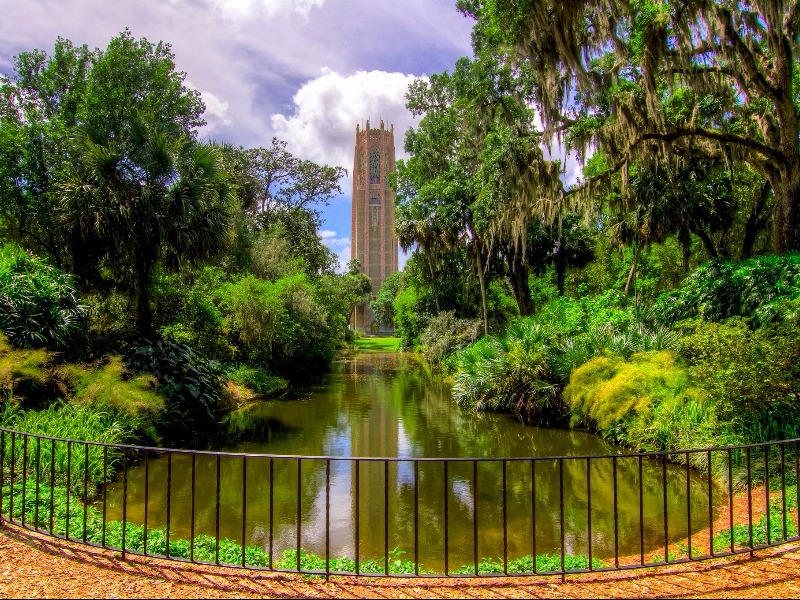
(378, 344)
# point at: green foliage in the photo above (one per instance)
(67, 421)
(26, 367)
(111, 387)
(383, 305)
(39, 305)
(623, 399)
(445, 334)
(259, 380)
(752, 377)
(545, 563)
(753, 288)
(191, 385)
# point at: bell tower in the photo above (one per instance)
(374, 242)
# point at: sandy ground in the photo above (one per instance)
(35, 566)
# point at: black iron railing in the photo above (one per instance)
(326, 515)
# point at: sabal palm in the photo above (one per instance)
(147, 197)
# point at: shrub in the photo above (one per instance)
(192, 387)
(259, 380)
(22, 371)
(619, 398)
(446, 333)
(753, 377)
(39, 307)
(720, 289)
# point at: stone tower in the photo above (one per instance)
(374, 242)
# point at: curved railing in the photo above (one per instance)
(324, 515)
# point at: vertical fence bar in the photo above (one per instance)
(710, 509)
(386, 516)
(749, 501)
(475, 515)
(216, 509)
(446, 518)
(244, 508)
(358, 515)
(561, 514)
(13, 476)
(664, 507)
(146, 497)
(271, 508)
(3, 467)
(327, 516)
(85, 488)
(505, 519)
(38, 483)
(688, 506)
(24, 476)
(105, 495)
(69, 483)
(589, 510)
(299, 508)
(533, 514)
(641, 513)
(192, 508)
(52, 483)
(766, 492)
(616, 513)
(784, 528)
(797, 486)
(169, 500)
(124, 499)
(416, 517)
(730, 497)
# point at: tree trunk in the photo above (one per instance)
(482, 281)
(755, 222)
(518, 277)
(144, 314)
(560, 264)
(787, 217)
(685, 240)
(433, 283)
(633, 269)
(708, 243)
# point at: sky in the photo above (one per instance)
(305, 71)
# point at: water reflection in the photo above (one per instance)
(390, 405)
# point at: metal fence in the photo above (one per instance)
(404, 517)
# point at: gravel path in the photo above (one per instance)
(34, 566)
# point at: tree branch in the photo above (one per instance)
(719, 136)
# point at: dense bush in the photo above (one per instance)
(191, 385)
(446, 333)
(752, 377)
(39, 306)
(524, 368)
(620, 398)
(259, 381)
(753, 288)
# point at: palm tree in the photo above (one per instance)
(149, 197)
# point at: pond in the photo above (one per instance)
(391, 405)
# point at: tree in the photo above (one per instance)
(606, 74)
(128, 207)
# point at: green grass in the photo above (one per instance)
(378, 344)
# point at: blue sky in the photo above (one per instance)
(306, 71)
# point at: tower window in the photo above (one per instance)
(374, 167)
(374, 215)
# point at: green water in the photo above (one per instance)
(389, 405)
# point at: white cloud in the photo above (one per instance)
(327, 109)
(245, 9)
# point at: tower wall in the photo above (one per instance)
(374, 242)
